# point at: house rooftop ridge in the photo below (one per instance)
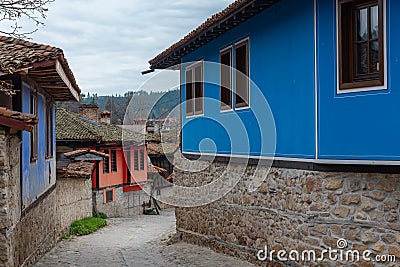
(236, 13)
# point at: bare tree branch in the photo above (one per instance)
(15, 10)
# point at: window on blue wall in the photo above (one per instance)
(242, 74)
(194, 89)
(49, 130)
(226, 78)
(34, 133)
(361, 53)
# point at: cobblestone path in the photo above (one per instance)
(134, 242)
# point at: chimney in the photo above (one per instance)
(105, 117)
(89, 111)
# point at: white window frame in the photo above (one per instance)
(236, 45)
(192, 67)
(222, 51)
(385, 73)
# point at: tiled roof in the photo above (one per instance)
(70, 127)
(161, 148)
(17, 120)
(18, 54)
(236, 13)
(80, 152)
(78, 169)
(156, 169)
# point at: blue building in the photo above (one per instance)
(39, 76)
(311, 87)
(330, 84)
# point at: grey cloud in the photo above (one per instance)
(108, 43)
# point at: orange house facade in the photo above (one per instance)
(127, 167)
(118, 179)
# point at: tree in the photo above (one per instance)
(15, 10)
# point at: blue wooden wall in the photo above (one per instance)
(362, 125)
(351, 126)
(39, 175)
(282, 66)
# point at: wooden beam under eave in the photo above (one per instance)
(15, 124)
(67, 82)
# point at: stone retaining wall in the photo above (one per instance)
(125, 204)
(296, 210)
(27, 235)
(74, 198)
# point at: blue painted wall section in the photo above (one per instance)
(364, 125)
(282, 67)
(37, 176)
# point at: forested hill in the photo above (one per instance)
(142, 104)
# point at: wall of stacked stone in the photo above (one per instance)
(295, 210)
(74, 198)
(126, 204)
(25, 236)
(9, 193)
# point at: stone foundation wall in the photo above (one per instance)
(296, 210)
(10, 196)
(126, 204)
(74, 198)
(27, 235)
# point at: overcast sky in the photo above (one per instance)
(108, 43)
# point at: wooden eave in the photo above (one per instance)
(203, 35)
(52, 77)
(16, 124)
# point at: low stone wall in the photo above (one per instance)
(125, 204)
(35, 233)
(74, 198)
(296, 210)
(27, 235)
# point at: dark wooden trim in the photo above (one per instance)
(15, 124)
(301, 165)
(118, 186)
(97, 171)
(36, 203)
(348, 79)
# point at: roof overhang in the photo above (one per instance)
(17, 120)
(53, 78)
(217, 25)
(86, 155)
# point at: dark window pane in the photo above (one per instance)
(374, 22)
(198, 76)
(34, 133)
(106, 163)
(362, 58)
(142, 159)
(226, 80)
(189, 92)
(374, 54)
(128, 165)
(109, 196)
(136, 160)
(49, 131)
(242, 83)
(113, 160)
(362, 24)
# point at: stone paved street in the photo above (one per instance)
(140, 241)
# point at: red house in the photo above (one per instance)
(118, 179)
